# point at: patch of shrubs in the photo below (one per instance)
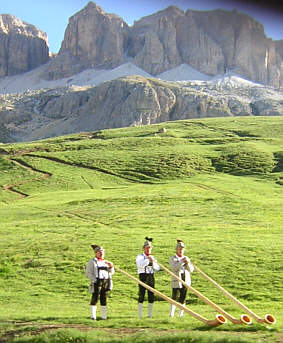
(31, 264)
(172, 166)
(279, 161)
(5, 164)
(244, 159)
(6, 269)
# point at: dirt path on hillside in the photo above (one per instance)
(21, 329)
(101, 170)
(12, 187)
(200, 185)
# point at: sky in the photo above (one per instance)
(52, 16)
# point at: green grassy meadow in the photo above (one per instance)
(215, 183)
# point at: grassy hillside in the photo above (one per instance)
(215, 183)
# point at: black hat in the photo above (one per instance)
(147, 242)
(96, 247)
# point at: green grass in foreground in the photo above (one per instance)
(121, 185)
(145, 336)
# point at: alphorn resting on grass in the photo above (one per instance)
(244, 319)
(268, 318)
(219, 320)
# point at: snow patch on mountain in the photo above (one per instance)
(92, 77)
(184, 75)
(183, 72)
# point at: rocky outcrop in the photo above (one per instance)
(245, 48)
(212, 42)
(92, 38)
(279, 51)
(171, 37)
(22, 46)
(131, 101)
(96, 37)
(279, 47)
(153, 41)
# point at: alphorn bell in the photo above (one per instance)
(219, 320)
(268, 318)
(244, 319)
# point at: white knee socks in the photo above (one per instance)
(172, 310)
(140, 307)
(93, 312)
(103, 310)
(150, 310)
(181, 313)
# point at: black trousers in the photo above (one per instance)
(179, 294)
(149, 280)
(101, 289)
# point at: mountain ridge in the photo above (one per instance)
(119, 76)
(219, 41)
(130, 101)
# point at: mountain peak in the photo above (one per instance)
(93, 6)
(26, 46)
(10, 23)
(173, 10)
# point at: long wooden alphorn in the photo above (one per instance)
(244, 319)
(219, 320)
(268, 318)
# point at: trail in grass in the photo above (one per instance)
(12, 187)
(70, 215)
(217, 190)
(58, 160)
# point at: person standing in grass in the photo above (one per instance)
(182, 267)
(147, 266)
(99, 272)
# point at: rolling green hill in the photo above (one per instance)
(216, 183)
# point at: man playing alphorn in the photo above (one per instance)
(147, 266)
(182, 267)
(99, 273)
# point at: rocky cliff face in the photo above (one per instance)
(244, 46)
(212, 42)
(93, 38)
(22, 46)
(279, 51)
(130, 101)
(171, 37)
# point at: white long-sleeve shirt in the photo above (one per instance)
(144, 264)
